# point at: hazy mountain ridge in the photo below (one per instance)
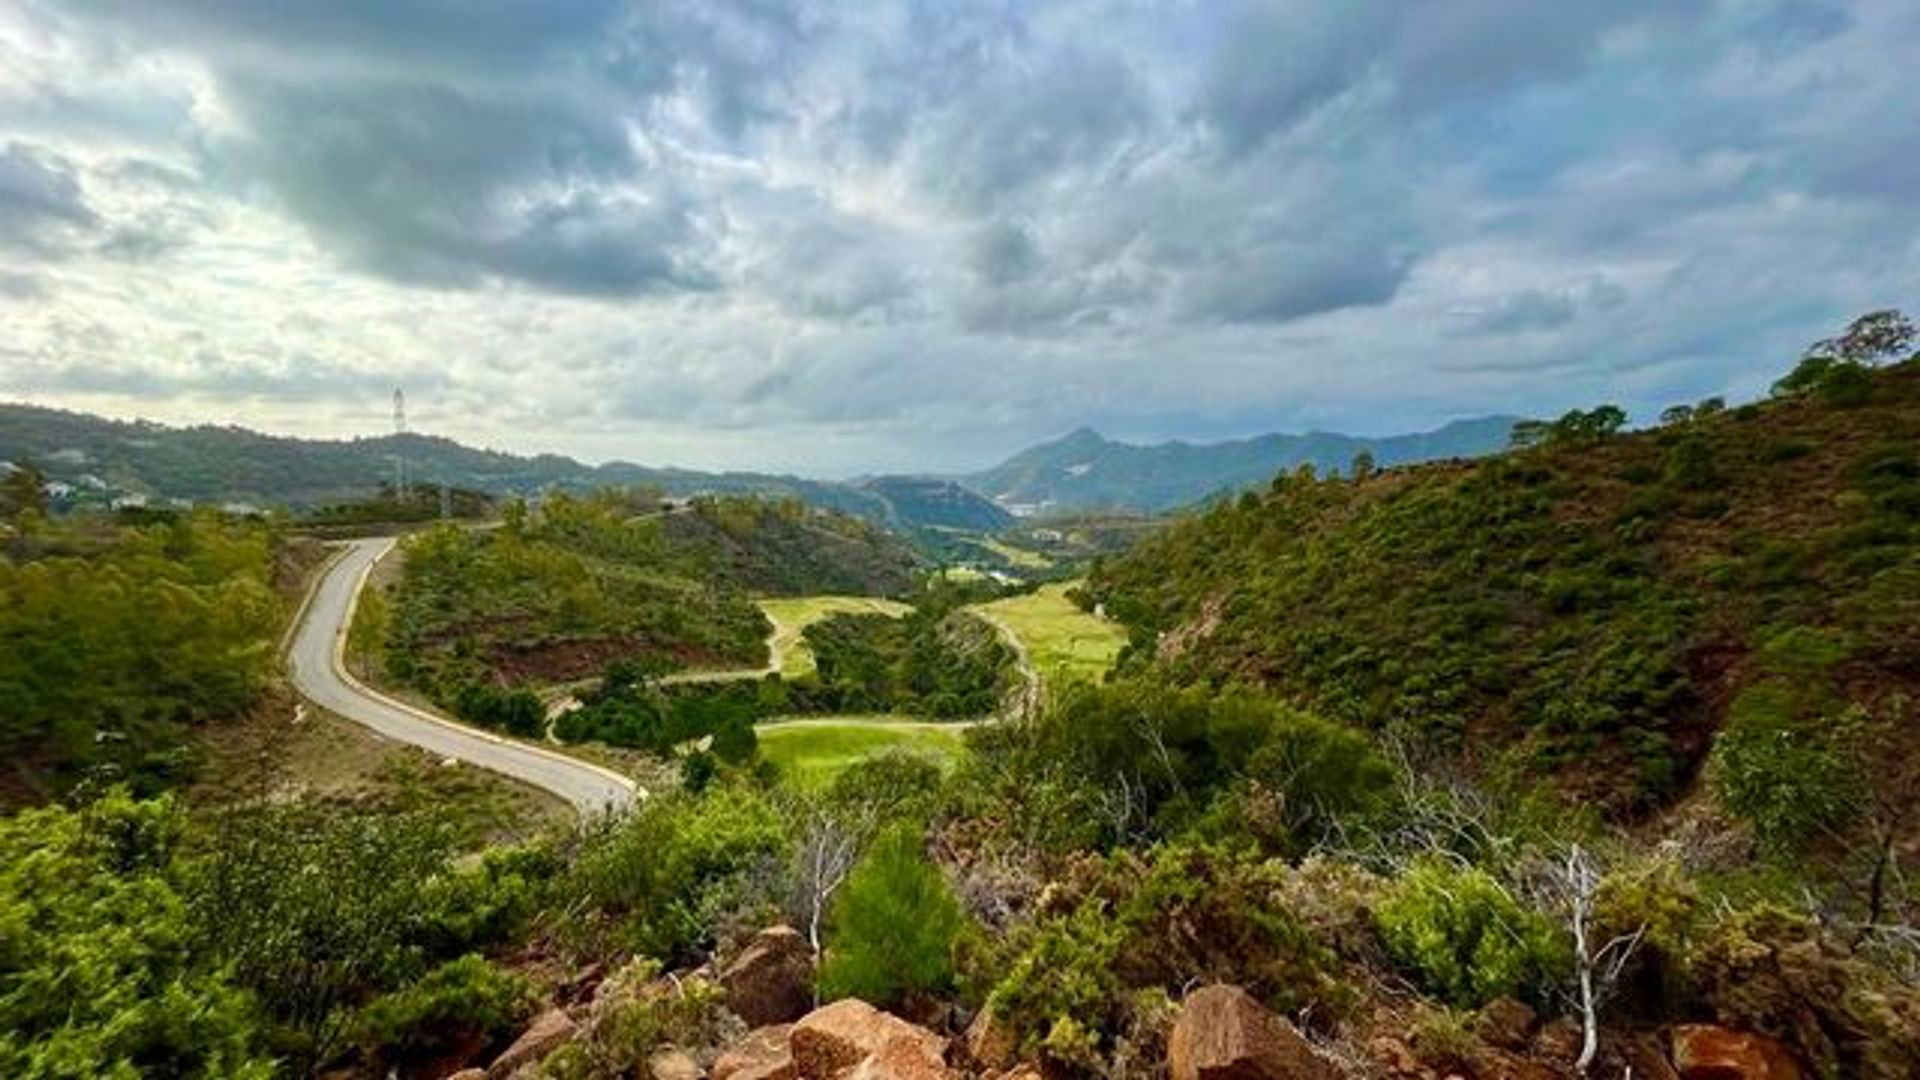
(219, 463)
(1085, 469)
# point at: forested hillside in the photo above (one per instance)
(575, 583)
(116, 640)
(1593, 608)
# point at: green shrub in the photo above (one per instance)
(98, 976)
(1193, 913)
(447, 1008)
(1781, 774)
(1465, 937)
(663, 880)
(894, 925)
(1690, 465)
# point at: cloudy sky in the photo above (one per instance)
(832, 237)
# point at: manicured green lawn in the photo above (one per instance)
(811, 751)
(1019, 557)
(1062, 642)
(792, 615)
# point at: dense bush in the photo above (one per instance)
(448, 1009)
(893, 926)
(665, 879)
(1783, 774)
(1466, 938)
(1185, 914)
(314, 909)
(98, 973)
(1138, 758)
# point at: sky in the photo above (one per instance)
(842, 237)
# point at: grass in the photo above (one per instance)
(1017, 557)
(810, 752)
(267, 755)
(792, 615)
(1062, 642)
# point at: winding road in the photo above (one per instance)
(316, 657)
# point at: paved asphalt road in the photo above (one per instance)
(314, 658)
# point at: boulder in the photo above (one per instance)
(1222, 1033)
(673, 1063)
(771, 981)
(1506, 1023)
(846, 1033)
(547, 1032)
(761, 1055)
(901, 1058)
(1708, 1052)
(990, 1044)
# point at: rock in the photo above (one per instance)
(468, 1074)
(1560, 1040)
(762, 1055)
(771, 981)
(902, 1058)
(547, 1032)
(1708, 1052)
(990, 1044)
(1394, 1056)
(1646, 1057)
(1506, 1023)
(1224, 1034)
(846, 1033)
(673, 1063)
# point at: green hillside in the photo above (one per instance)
(1591, 609)
(575, 583)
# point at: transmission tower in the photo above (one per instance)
(399, 428)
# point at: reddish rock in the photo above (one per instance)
(546, 1034)
(1707, 1052)
(846, 1033)
(771, 981)
(761, 1055)
(1646, 1057)
(1506, 1023)
(901, 1058)
(990, 1045)
(1222, 1033)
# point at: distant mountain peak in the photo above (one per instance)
(1085, 470)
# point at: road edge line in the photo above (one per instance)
(339, 656)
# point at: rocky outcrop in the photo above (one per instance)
(1222, 1033)
(762, 1055)
(852, 1034)
(547, 1033)
(771, 981)
(1707, 1052)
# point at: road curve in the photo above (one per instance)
(315, 657)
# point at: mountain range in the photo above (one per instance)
(1084, 470)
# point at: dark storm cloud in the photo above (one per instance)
(42, 207)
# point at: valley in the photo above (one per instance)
(1384, 750)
